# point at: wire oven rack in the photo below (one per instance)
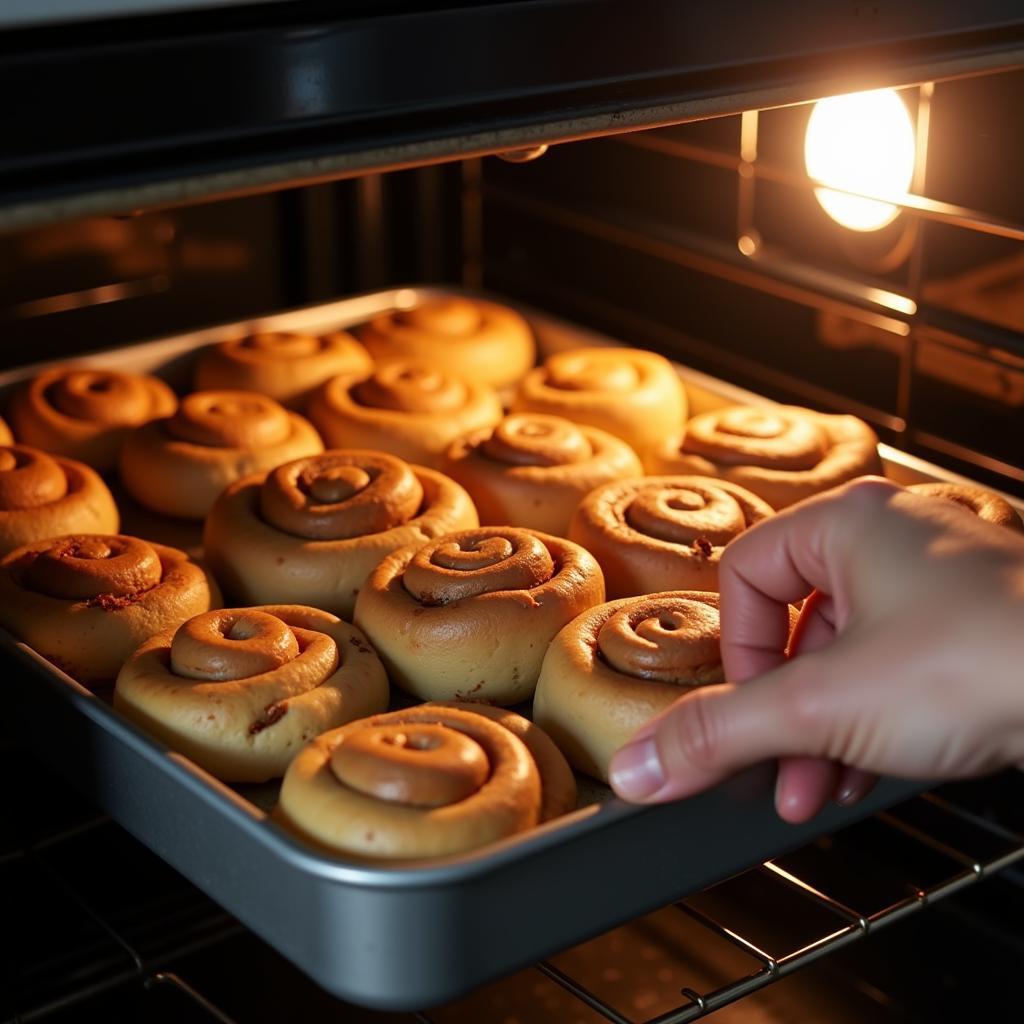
(143, 940)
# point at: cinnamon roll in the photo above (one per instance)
(286, 367)
(43, 496)
(86, 414)
(532, 470)
(6, 437)
(984, 504)
(469, 614)
(615, 667)
(663, 532)
(635, 395)
(86, 601)
(178, 466)
(429, 781)
(241, 690)
(405, 408)
(312, 530)
(782, 453)
(483, 341)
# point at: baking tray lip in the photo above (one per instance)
(477, 864)
(450, 870)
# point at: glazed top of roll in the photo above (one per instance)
(702, 513)
(73, 398)
(340, 495)
(404, 388)
(230, 420)
(492, 563)
(109, 572)
(984, 504)
(284, 365)
(486, 341)
(30, 479)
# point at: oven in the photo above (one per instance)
(639, 173)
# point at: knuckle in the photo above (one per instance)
(869, 492)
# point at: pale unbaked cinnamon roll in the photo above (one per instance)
(428, 781)
(43, 496)
(663, 532)
(479, 340)
(469, 614)
(178, 466)
(408, 409)
(782, 453)
(984, 504)
(632, 394)
(241, 690)
(312, 530)
(86, 414)
(532, 470)
(86, 601)
(286, 367)
(618, 665)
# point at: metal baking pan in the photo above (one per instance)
(389, 937)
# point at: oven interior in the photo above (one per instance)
(704, 241)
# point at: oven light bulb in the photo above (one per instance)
(863, 142)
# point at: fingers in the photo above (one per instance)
(714, 731)
(804, 785)
(853, 785)
(781, 560)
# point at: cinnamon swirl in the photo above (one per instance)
(240, 690)
(312, 530)
(984, 504)
(43, 496)
(86, 601)
(86, 414)
(782, 453)
(483, 341)
(532, 470)
(429, 781)
(406, 408)
(663, 532)
(286, 367)
(635, 395)
(469, 614)
(615, 667)
(178, 466)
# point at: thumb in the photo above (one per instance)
(713, 731)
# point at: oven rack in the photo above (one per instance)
(960, 848)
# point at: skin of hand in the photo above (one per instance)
(908, 657)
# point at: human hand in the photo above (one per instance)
(910, 655)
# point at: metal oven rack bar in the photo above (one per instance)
(850, 924)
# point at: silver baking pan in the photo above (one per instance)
(404, 937)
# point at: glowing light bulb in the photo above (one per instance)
(863, 142)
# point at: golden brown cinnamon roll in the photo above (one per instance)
(482, 341)
(618, 665)
(532, 470)
(429, 781)
(782, 453)
(663, 532)
(179, 465)
(312, 530)
(405, 408)
(286, 367)
(86, 414)
(42, 496)
(984, 504)
(6, 437)
(86, 601)
(469, 614)
(632, 394)
(241, 690)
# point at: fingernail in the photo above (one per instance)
(847, 795)
(636, 771)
